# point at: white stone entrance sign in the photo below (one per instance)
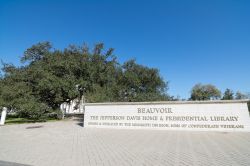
(189, 115)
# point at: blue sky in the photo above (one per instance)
(190, 41)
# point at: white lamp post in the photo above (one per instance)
(81, 91)
(3, 116)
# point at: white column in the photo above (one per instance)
(3, 116)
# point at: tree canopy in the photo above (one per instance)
(240, 96)
(49, 77)
(205, 92)
(228, 95)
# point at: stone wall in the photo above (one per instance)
(192, 115)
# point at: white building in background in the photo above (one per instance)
(73, 107)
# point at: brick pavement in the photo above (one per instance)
(66, 143)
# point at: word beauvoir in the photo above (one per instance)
(154, 110)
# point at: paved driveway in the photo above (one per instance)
(67, 143)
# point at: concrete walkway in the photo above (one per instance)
(67, 143)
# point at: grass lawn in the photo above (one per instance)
(24, 120)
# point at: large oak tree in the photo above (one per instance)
(50, 76)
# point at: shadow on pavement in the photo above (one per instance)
(5, 163)
(79, 121)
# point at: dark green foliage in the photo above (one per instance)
(36, 52)
(228, 95)
(140, 83)
(205, 92)
(51, 77)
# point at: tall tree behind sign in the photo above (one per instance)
(50, 77)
